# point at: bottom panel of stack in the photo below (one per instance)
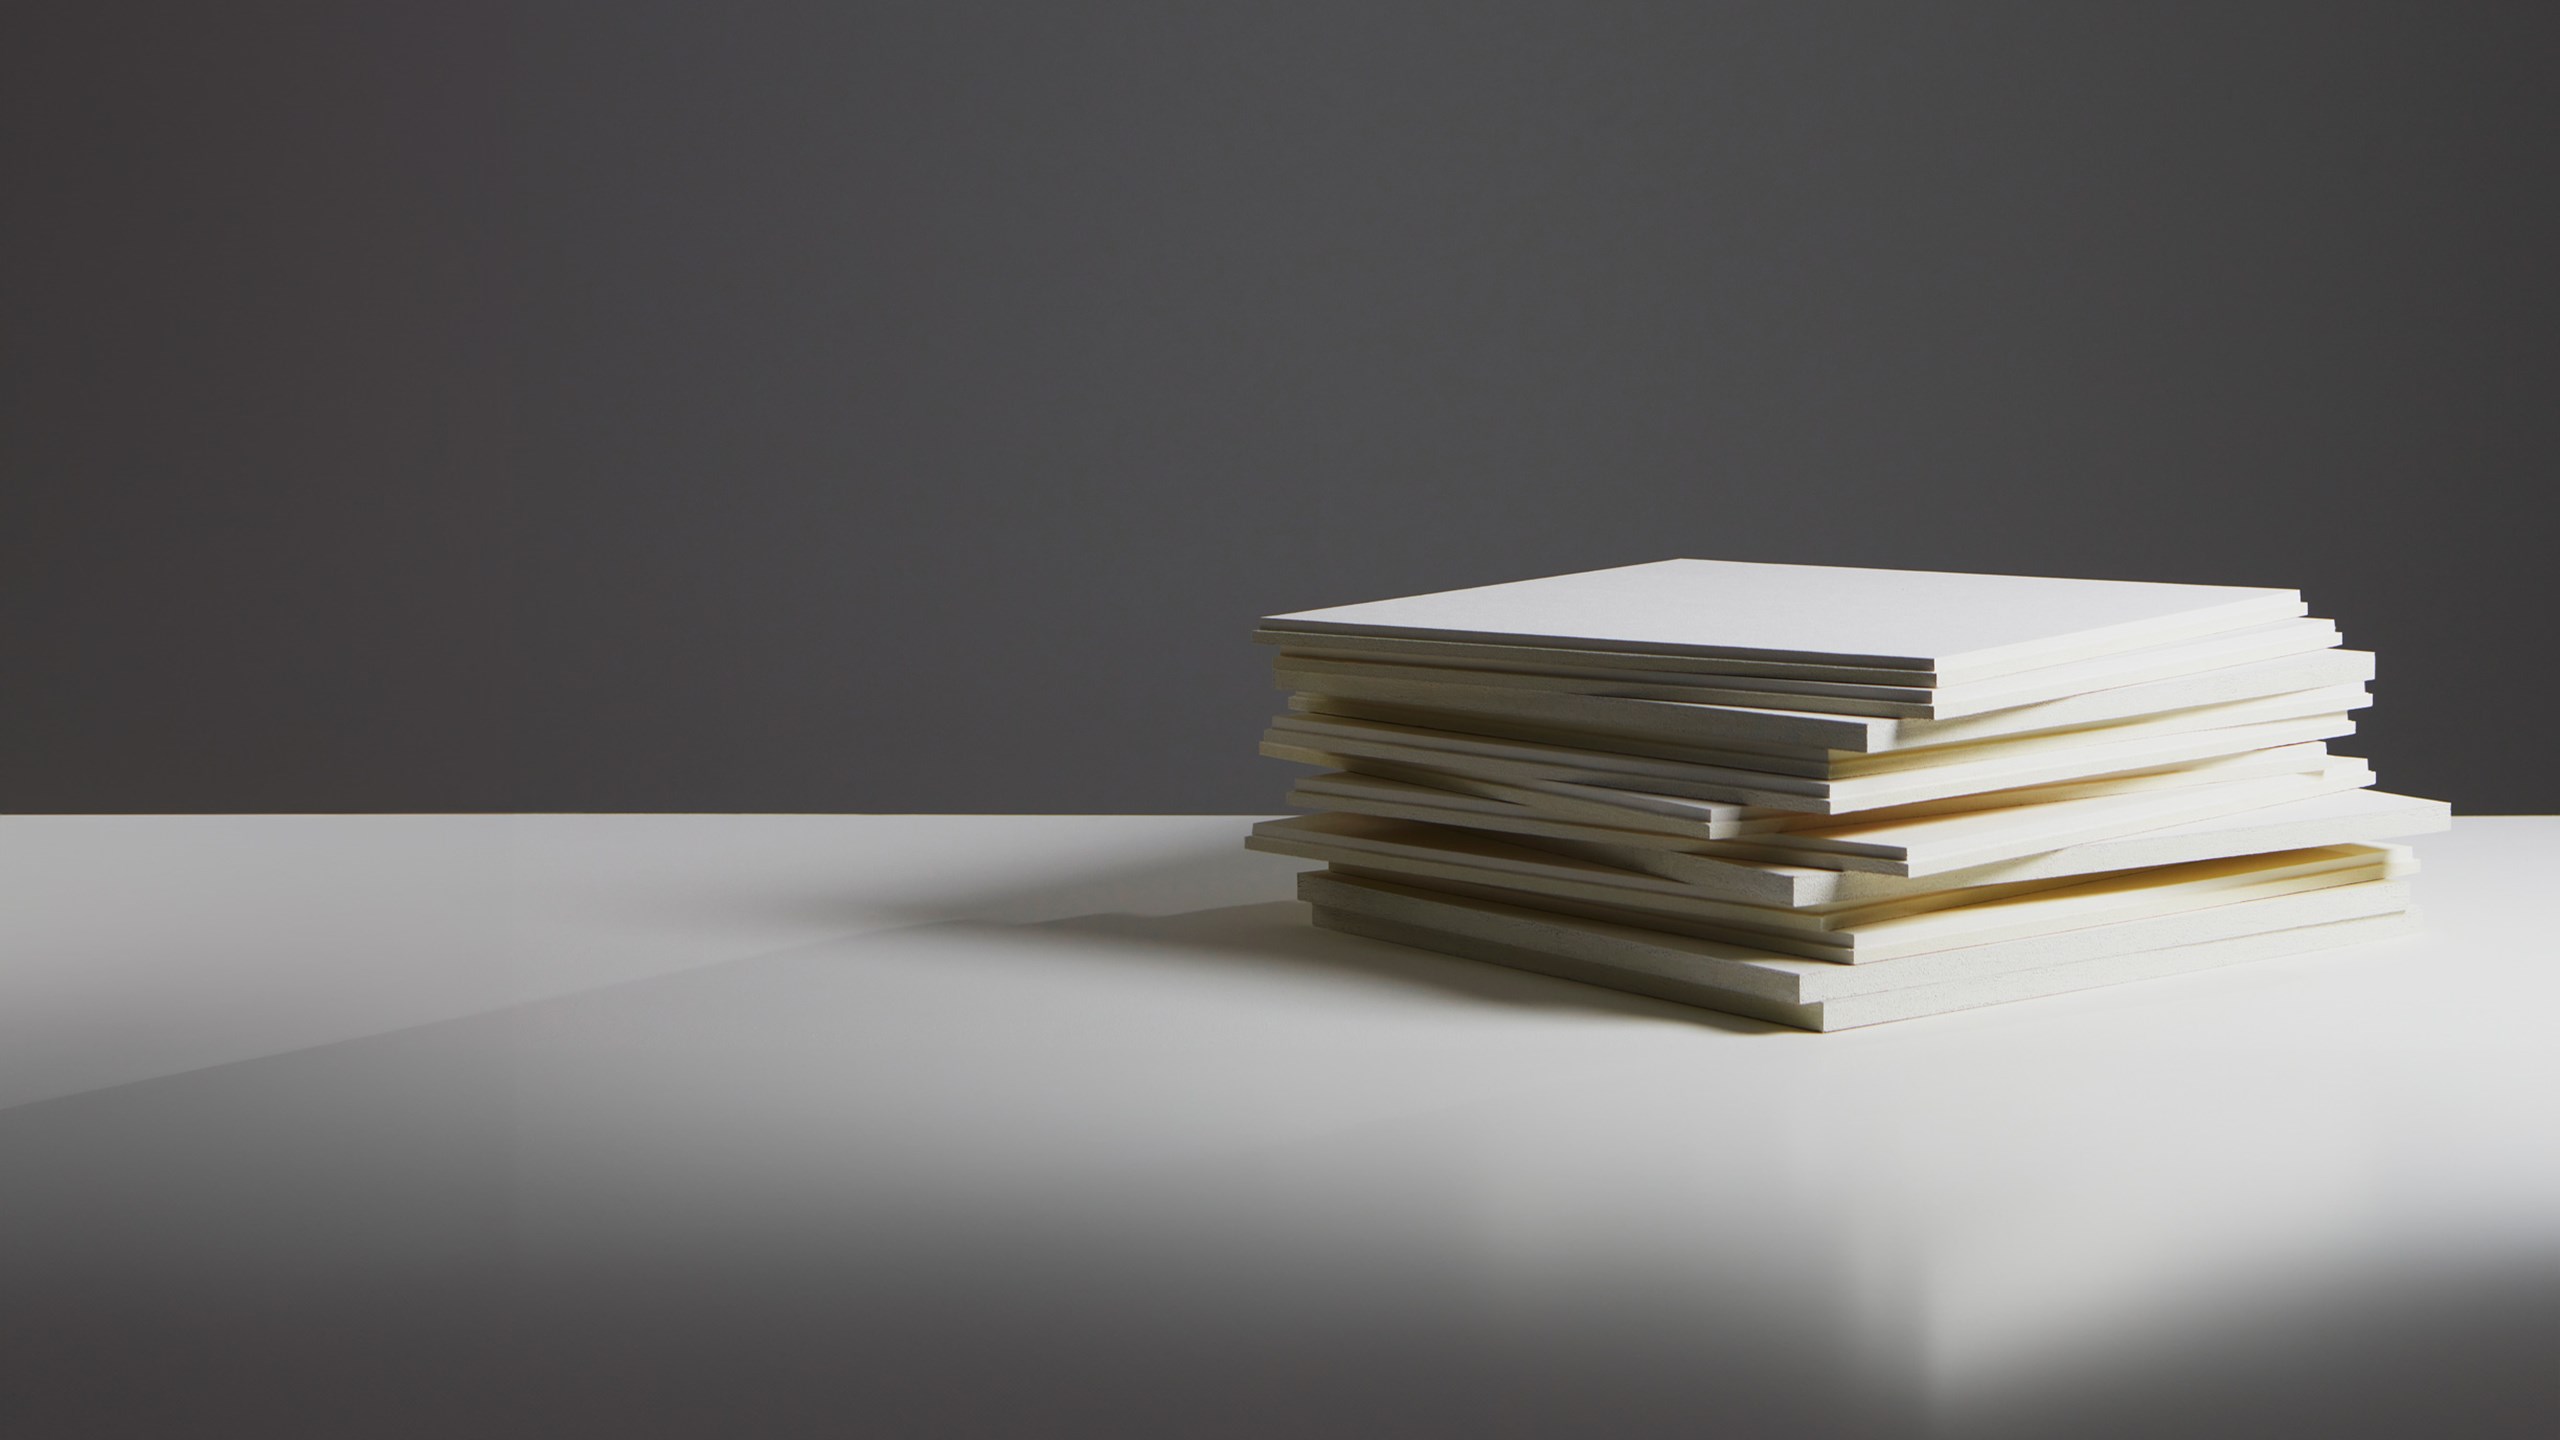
(1765, 985)
(1832, 950)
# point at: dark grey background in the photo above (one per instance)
(841, 406)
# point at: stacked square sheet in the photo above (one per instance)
(1830, 797)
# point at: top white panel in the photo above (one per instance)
(1938, 623)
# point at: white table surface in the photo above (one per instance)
(1072, 1125)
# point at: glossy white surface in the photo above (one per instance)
(1074, 1125)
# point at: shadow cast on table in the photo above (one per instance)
(1277, 935)
(1196, 901)
(1187, 872)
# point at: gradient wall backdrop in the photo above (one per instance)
(866, 406)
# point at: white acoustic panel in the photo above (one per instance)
(1545, 659)
(1922, 846)
(1948, 627)
(1617, 718)
(1984, 769)
(1617, 805)
(1919, 1001)
(1497, 787)
(1357, 675)
(1490, 735)
(1796, 980)
(2204, 822)
(1849, 931)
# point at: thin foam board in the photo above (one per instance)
(1620, 806)
(1395, 798)
(1662, 669)
(2246, 817)
(1950, 627)
(1853, 932)
(1540, 658)
(1542, 813)
(1798, 981)
(1474, 856)
(1692, 820)
(1643, 725)
(1645, 757)
(1336, 674)
(1934, 844)
(1853, 947)
(2292, 705)
(1482, 857)
(1404, 794)
(1477, 796)
(1972, 774)
(1914, 1003)
(2326, 812)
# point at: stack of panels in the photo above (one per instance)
(1829, 797)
